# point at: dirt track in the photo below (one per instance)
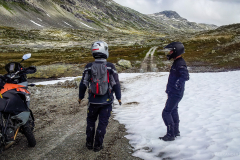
(60, 129)
(148, 64)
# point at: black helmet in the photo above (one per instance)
(176, 47)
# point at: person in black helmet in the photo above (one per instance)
(100, 105)
(175, 89)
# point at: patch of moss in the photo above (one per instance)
(55, 71)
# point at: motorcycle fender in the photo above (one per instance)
(23, 116)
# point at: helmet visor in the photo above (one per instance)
(167, 49)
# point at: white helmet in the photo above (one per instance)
(100, 49)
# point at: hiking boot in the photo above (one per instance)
(89, 145)
(170, 136)
(177, 134)
(176, 129)
(98, 148)
(167, 138)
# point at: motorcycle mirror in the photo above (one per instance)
(26, 56)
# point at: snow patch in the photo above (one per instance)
(36, 23)
(86, 25)
(48, 15)
(56, 81)
(209, 116)
(68, 24)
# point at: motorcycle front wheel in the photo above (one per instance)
(27, 130)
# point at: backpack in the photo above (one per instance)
(99, 79)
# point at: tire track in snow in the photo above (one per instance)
(147, 66)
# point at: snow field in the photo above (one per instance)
(209, 114)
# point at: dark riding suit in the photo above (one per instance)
(175, 89)
(99, 105)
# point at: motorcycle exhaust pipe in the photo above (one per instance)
(16, 134)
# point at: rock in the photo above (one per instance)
(124, 63)
(118, 68)
(71, 2)
(213, 51)
(138, 62)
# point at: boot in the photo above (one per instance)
(97, 148)
(89, 145)
(176, 129)
(170, 134)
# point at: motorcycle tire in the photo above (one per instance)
(27, 131)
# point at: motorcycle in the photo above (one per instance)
(15, 114)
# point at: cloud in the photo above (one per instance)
(219, 12)
(227, 1)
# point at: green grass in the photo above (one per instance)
(215, 53)
(79, 56)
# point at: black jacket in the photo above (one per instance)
(178, 75)
(101, 99)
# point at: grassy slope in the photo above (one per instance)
(217, 49)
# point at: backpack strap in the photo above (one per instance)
(87, 76)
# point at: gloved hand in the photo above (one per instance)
(79, 101)
(177, 85)
(120, 102)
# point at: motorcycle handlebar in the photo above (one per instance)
(14, 74)
(29, 70)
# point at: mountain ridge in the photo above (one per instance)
(76, 14)
(174, 20)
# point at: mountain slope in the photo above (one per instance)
(175, 21)
(90, 14)
(101, 14)
(38, 15)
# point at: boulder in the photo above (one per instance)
(124, 63)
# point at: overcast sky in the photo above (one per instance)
(218, 12)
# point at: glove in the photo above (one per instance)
(79, 100)
(177, 85)
(120, 102)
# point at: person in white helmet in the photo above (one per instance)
(102, 80)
